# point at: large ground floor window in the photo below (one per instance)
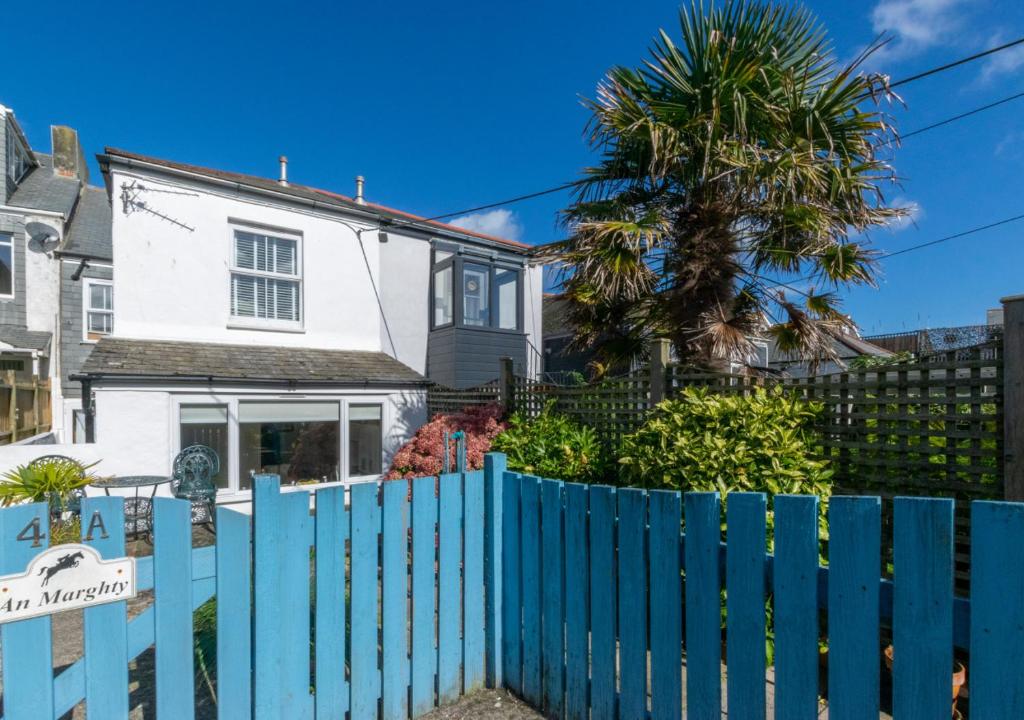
(304, 441)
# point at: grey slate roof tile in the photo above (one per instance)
(20, 337)
(89, 233)
(113, 357)
(40, 189)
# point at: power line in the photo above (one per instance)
(902, 81)
(961, 116)
(913, 248)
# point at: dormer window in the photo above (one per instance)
(473, 292)
(18, 161)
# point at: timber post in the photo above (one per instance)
(1013, 397)
(507, 384)
(659, 370)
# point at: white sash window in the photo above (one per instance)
(265, 278)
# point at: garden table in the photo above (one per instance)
(138, 509)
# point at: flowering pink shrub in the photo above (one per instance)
(423, 455)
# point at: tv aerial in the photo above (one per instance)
(131, 201)
(42, 238)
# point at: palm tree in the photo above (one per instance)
(744, 156)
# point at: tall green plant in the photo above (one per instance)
(53, 480)
(762, 442)
(740, 153)
(552, 445)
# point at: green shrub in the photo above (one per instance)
(763, 442)
(554, 446)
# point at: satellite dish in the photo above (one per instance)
(42, 237)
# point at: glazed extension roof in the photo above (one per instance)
(310, 194)
(127, 359)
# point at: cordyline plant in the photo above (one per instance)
(745, 155)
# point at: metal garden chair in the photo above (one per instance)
(193, 472)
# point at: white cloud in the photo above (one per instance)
(1002, 63)
(915, 213)
(915, 25)
(500, 222)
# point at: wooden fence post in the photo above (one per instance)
(12, 406)
(1013, 397)
(659, 369)
(495, 465)
(507, 384)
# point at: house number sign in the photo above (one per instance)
(65, 577)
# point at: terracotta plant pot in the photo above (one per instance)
(959, 674)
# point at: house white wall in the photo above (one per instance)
(173, 283)
(405, 296)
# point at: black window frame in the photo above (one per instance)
(457, 261)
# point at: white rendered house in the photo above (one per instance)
(292, 329)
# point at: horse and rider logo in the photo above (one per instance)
(65, 562)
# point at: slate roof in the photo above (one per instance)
(159, 359)
(19, 337)
(309, 193)
(89, 233)
(41, 189)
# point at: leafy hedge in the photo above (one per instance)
(423, 454)
(763, 442)
(554, 446)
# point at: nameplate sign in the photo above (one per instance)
(65, 577)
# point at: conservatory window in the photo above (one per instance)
(296, 440)
(476, 310)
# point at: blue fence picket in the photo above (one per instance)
(331, 535)
(424, 552)
(449, 648)
(552, 616)
(997, 585)
(744, 604)
(512, 601)
(172, 571)
(531, 588)
(296, 701)
(666, 606)
(796, 607)
(473, 581)
(703, 607)
(494, 478)
(632, 604)
(364, 672)
(576, 651)
(28, 681)
(922, 622)
(234, 631)
(268, 534)
(854, 556)
(602, 602)
(106, 626)
(395, 574)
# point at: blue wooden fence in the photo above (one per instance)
(612, 604)
(587, 601)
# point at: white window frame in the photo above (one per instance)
(257, 323)
(16, 150)
(234, 493)
(87, 284)
(7, 238)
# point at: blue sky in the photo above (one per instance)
(444, 106)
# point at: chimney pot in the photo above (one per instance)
(360, 182)
(284, 170)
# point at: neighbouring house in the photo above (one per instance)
(50, 217)
(846, 347)
(292, 329)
